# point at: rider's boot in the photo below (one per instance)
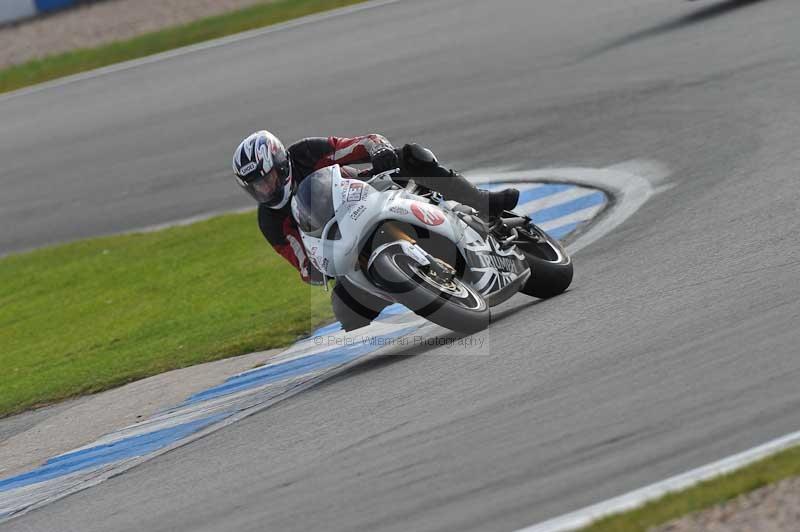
(421, 164)
(503, 200)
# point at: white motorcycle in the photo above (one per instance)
(408, 245)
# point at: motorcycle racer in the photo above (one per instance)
(270, 173)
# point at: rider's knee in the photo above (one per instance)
(419, 157)
(354, 308)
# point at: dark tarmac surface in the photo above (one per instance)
(676, 346)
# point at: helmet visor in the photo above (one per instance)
(266, 189)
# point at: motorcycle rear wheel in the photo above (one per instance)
(551, 265)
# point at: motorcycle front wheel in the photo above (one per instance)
(451, 303)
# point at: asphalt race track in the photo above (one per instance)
(676, 346)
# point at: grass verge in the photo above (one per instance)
(56, 66)
(706, 494)
(94, 314)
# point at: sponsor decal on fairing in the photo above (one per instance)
(427, 214)
(354, 192)
(357, 212)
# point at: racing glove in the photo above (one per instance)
(384, 159)
(311, 274)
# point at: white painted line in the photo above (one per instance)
(555, 199)
(13, 10)
(222, 41)
(630, 184)
(258, 397)
(620, 183)
(19, 501)
(577, 216)
(491, 185)
(530, 186)
(630, 191)
(635, 499)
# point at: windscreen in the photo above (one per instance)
(314, 203)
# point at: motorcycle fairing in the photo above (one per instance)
(496, 273)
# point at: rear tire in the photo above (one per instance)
(457, 307)
(551, 265)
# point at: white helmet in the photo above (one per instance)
(262, 167)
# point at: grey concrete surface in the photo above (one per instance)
(30, 438)
(677, 345)
(772, 508)
(95, 23)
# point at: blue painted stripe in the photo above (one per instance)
(143, 444)
(327, 329)
(531, 194)
(277, 372)
(541, 192)
(11, 10)
(103, 454)
(53, 5)
(564, 230)
(392, 310)
(557, 211)
(296, 367)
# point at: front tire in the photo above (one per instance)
(453, 305)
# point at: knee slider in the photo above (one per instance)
(417, 156)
